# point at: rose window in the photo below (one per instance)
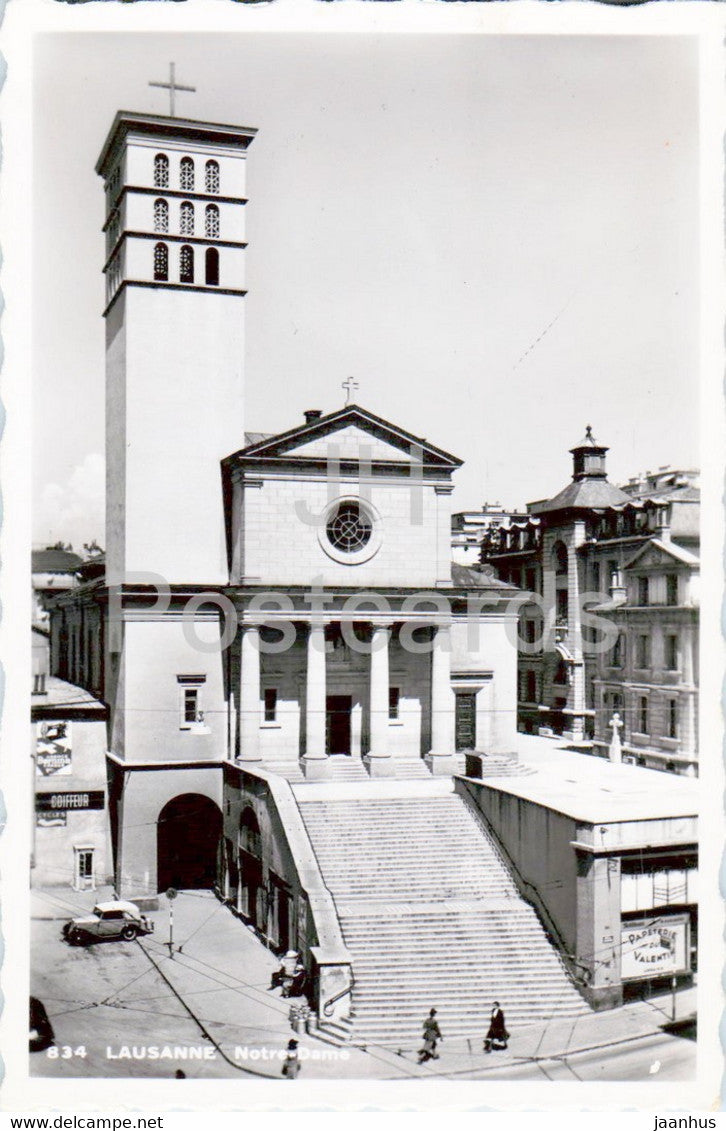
(350, 528)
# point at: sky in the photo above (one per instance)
(497, 236)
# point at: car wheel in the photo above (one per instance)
(129, 932)
(76, 938)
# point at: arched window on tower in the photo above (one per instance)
(211, 176)
(186, 219)
(161, 216)
(161, 263)
(186, 175)
(186, 264)
(211, 222)
(161, 171)
(211, 267)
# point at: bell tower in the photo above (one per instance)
(175, 290)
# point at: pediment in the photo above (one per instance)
(351, 434)
(658, 554)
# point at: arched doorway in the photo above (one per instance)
(188, 832)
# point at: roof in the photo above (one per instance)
(55, 561)
(464, 577)
(585, 494)
(118, 905)
(161, 125)
(257, 437)
(60, 695)
(284, 443)
(595, 791)
(588, 441)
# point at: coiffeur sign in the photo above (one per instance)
(652, 948)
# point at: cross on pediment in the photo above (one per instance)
(173, 86)
(349, 385)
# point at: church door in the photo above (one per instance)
(465, 720)
(337, 724)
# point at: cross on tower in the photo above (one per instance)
(349, 385)
(172, 86)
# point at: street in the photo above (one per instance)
(122, 1009)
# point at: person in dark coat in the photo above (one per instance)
(291, 1064)
(431, 1036)
(497, 1035)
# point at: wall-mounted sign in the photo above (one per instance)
(652, 948)
(53, 748)
(51, 820)
(73, 799)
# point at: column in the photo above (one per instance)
(315, 757)
(687, 698)
(378, 760)
(441, 756)
(249, 695)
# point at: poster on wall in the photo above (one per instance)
(654, 948)
(53, 747)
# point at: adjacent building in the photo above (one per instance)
(612, 624)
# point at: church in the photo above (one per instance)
(297, 678)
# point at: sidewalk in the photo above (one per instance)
(222, 973)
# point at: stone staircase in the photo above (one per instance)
(432, 918)
(343, 767)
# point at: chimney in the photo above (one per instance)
(312, 414)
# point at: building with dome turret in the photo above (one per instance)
(612, 626)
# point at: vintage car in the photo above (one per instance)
(116, 919)
(41, 1030)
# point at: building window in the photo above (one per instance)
(643, 651)
(186, 218)
(643, 714)
(618, 660)
(350, 528)
(673, 718)
(186, 174)
(531, 687)
(643, 590)
(161, 216)
(211, 176)
(394, 700)
(596, 577)
(211, 222)
(671, 589)
(161, 263)
(161, 171)
(671, 652)
(211, 267)
(531, 581)
(186, 264)
(270, 704)
(562, 606)
(190, 687)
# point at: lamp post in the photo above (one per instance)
(171, 895)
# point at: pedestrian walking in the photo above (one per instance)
(431, 1037)
(497, 1035)
(291, 1064)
